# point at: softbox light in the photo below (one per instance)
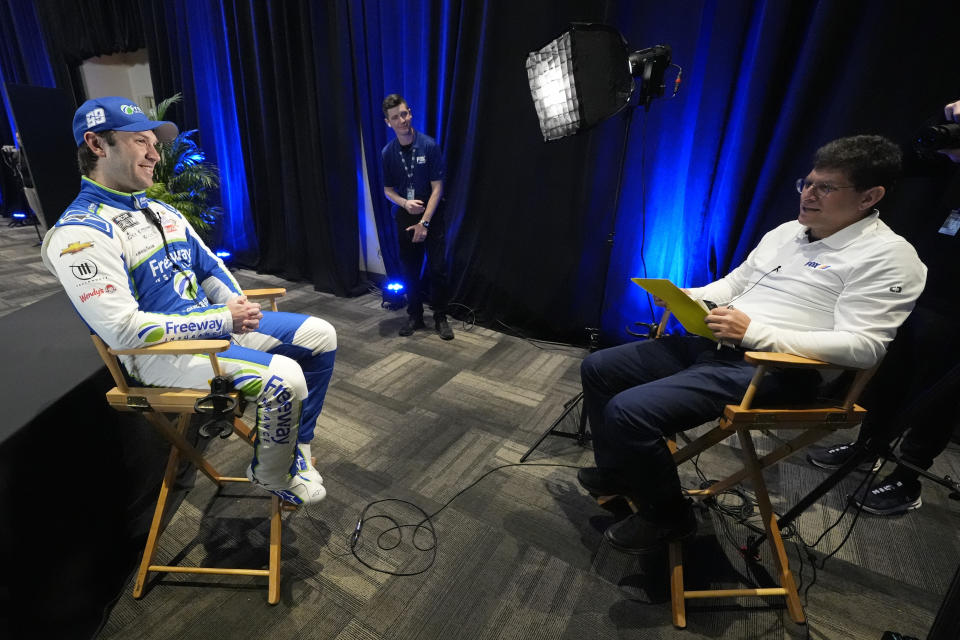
(586, 75)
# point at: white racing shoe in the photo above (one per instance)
(304, 466)
(300, 488)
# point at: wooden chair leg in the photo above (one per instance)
(677, 598)
(701, 444)
(788, 448)
(794, 607)
(177, 438)
(246, 433)
(276, 531)
(180, 446)
(156, 525)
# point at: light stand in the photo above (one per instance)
(577, 80)
(582, 435)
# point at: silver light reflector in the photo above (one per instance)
(550, 74)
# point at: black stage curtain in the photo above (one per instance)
(530, 220)
(294, 101)
(531, 215)
(170, 69)
(76, 31)
(532, 245)
(519, 213)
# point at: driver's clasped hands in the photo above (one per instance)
(246, 314)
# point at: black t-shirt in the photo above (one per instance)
(919, 207)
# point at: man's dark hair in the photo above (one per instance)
(869, 161)
(391, 101)
(86, 158)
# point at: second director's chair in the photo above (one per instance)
(169, 410)
(810, 422)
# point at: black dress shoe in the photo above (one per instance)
(602, 482)
(639, 535)
(411, 324)
(443, 327)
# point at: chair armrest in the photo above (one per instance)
(270, 294)
(662, 325)
(786, 360)
(764, 359)
(176, 348)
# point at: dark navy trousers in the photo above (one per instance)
(637, 393)
(411, 258)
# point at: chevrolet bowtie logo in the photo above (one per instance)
(75, 247)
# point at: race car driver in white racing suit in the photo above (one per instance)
(139, 275)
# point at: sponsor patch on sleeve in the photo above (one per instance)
(82, 218)
(75, 247)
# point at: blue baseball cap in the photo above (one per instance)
(118, 114)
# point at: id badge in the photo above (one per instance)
(410, 193)
(952, 224)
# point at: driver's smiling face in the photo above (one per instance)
(129, 162)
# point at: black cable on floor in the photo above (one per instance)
(354, 539)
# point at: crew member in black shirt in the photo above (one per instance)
(916, 387)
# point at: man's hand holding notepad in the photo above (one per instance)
(689, 312)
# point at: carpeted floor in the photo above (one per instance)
(520, 554)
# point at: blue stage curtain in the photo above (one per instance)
(269, 85)
(188, 54)
(705, 174)
(765, 84)
(284, 92)
(431, 53)
(23, 60)
(513, 231)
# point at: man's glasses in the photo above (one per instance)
(820, 189)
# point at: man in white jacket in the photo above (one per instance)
(832, 285)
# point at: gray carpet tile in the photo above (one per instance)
(519, 555)
(24, 278)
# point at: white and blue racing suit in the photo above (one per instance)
(133, 292)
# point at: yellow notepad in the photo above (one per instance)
(689, 312)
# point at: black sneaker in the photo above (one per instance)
(443, 327)
(410, 325)
(834, 457)
(638, 534)
(890, 497)
(602, 482)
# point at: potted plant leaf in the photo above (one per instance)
(183, 178)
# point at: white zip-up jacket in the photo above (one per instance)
(112, 263)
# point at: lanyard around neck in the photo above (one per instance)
(413, 163)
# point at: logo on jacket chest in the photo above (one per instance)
(160, 267)
(125, 221)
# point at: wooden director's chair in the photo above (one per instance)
(810, 422)
(157, 404)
